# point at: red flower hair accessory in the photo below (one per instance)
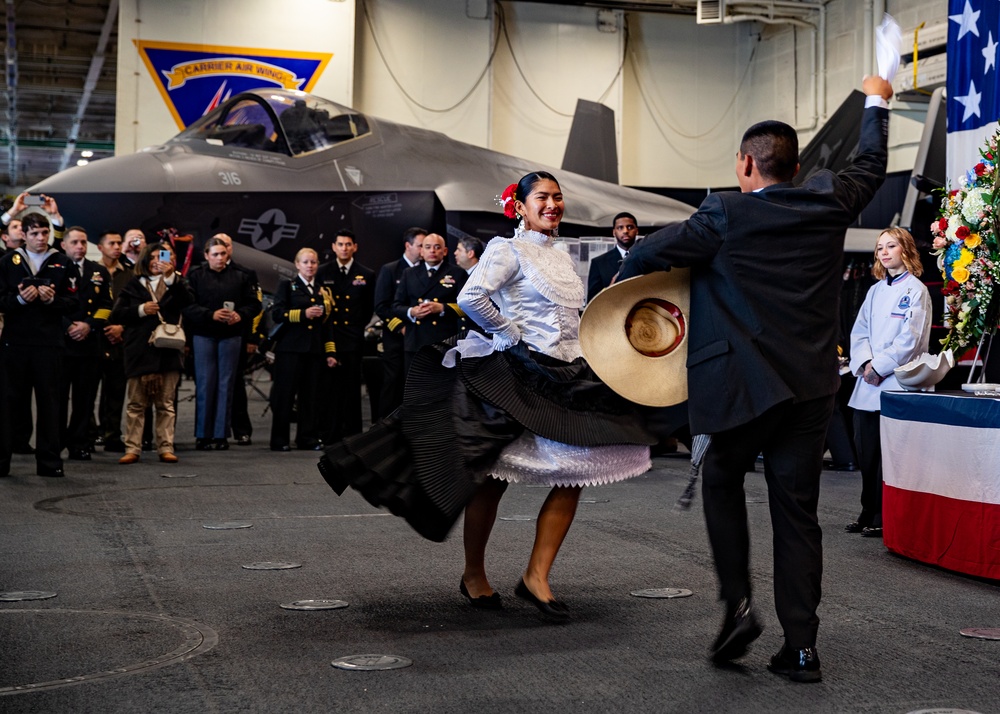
(506, 200)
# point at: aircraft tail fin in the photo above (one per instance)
(592, 150)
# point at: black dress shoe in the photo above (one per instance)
(281, 447)
(99, 441)
(872, 532)
(798, 665)
(854, 527)
(202, 444)
(115, 447)
(47, 471)
(79, 455)
(483, 602)
(552, 611)
(244, 440)
(221, 445)
(739, 630)
(834, 466)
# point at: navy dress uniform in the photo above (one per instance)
(425, 284)
(602, 269)
(90, 283)
(353, 289)
(32, 349)
(303, 344)
(393, 365)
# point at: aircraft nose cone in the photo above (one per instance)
(133, 173)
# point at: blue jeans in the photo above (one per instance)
(215, 361)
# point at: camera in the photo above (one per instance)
(34, 199)
(164, 256)
(135, 242)
(229, 305)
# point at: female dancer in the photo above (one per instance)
(892, 328)
(520, 405)
(527, 290)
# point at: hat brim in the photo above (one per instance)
(655, 381)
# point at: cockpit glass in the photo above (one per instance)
(305, 123)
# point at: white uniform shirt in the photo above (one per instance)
(893, 328)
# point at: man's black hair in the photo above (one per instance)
(774, 147)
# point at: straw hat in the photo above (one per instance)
(634, 336)
(925, 371)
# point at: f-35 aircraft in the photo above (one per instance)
(281, 170)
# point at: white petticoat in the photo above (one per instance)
(533, 459)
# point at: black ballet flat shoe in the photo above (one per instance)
(872, 532)
(552, 611)
(483, 602)
(854, 527)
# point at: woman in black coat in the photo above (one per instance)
(156, 293)
(304, 349)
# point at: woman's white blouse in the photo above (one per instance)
(525, 288)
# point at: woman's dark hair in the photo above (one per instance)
(146, 257)
(528, 182)
(212, 242)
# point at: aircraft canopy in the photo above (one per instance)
(281, 121)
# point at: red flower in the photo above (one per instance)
(963, 232)
(989, 155)
(953, 192)
(507, 200)
(943, 225)
(980, 168)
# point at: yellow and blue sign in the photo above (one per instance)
(195, 79)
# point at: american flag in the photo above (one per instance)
(973, 87)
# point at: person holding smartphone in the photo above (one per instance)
(157, 292)
(225, 300)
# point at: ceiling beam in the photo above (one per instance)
(96, 64)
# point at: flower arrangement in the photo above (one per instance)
(968, 250)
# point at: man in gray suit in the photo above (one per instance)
(762, 360)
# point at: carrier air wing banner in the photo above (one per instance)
(195, 79)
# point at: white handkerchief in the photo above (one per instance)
(475, 345)
(888, 38)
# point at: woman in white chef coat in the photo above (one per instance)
(892, 328)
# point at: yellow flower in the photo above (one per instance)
(973, 241)
(960, 275)
(964, 258)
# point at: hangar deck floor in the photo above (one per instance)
(144, 590)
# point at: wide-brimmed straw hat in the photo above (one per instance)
(634, 336)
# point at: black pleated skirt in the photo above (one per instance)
(426, 461)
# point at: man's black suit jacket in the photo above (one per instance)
(765, 284)
(416, 287)
(602, 269)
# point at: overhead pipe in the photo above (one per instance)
(93, 74)
(10, 60)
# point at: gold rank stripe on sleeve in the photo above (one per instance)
(330, 348)
(454, 306)
(102, 314)
(295, 316)
(394, 323)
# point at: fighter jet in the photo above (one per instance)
(281, 170)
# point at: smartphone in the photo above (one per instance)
(164, 256)
(229, 305)
(36, 282)
(34, 199)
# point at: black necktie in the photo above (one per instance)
(309, 288)
(343, 270)
(430, 273)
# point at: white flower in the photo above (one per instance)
(973, 205)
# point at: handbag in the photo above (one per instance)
(167, 336)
